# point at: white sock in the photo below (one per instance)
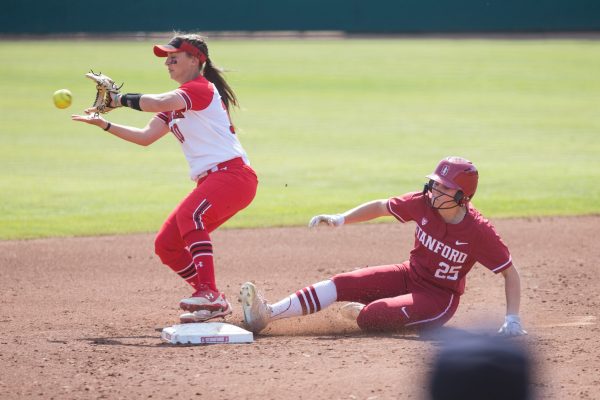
(305, 301)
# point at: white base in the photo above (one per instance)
(206, 333)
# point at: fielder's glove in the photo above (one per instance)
(512, 326)
(331, 220)
(106, 92)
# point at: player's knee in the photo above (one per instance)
(346, 286)
(159, 245)
(162, 248)
(379, 316)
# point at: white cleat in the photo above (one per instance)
(205, 299)
(351, 310)
(257, 313)
(204, 315)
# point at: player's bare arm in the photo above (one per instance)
(512, 287)
(364, 212)
(168, 101)
(367, 211)
(155, 129)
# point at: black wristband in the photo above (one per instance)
(108, 126)
(131, 100)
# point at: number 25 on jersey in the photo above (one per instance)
(446, 271)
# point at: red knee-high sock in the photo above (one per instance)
(200, 248)
(174, 254)
(188, 273)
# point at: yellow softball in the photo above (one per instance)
(62, 98)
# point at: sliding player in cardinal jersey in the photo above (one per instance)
(423, 292)
(197, 113)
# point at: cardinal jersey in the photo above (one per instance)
(444, 253)
(203, 127)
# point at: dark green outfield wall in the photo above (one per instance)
(384, 16)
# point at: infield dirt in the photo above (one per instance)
(81, 317)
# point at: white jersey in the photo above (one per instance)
(203, 128)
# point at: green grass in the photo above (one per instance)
(327, 125)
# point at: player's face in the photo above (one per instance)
(180, 65)
(442, 196)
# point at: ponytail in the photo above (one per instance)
(215, 75)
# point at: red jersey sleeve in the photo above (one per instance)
(491, 252)
(403, 207)
(166, 117)
(197, 93)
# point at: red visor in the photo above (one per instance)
(176, 46)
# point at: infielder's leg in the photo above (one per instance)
(217, 198)
(172, 251)
(178, 252)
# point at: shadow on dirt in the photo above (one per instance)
(443, 334)
(130, 341)
(139, 341)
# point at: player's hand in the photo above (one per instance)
(91, 119)
(115, 102)
(512, 326)
(330, 220)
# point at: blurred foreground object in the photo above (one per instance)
(481, 368)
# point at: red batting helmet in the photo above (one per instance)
(457, 173)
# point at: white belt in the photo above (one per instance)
(210, 171)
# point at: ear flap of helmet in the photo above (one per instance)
(460, 198)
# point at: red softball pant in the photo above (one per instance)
(216, 198)
(394, 299)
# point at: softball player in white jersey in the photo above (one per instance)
(197, 113)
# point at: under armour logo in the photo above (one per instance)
(210, 296)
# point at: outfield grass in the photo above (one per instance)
(327, 125)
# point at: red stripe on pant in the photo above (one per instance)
(199, 212)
